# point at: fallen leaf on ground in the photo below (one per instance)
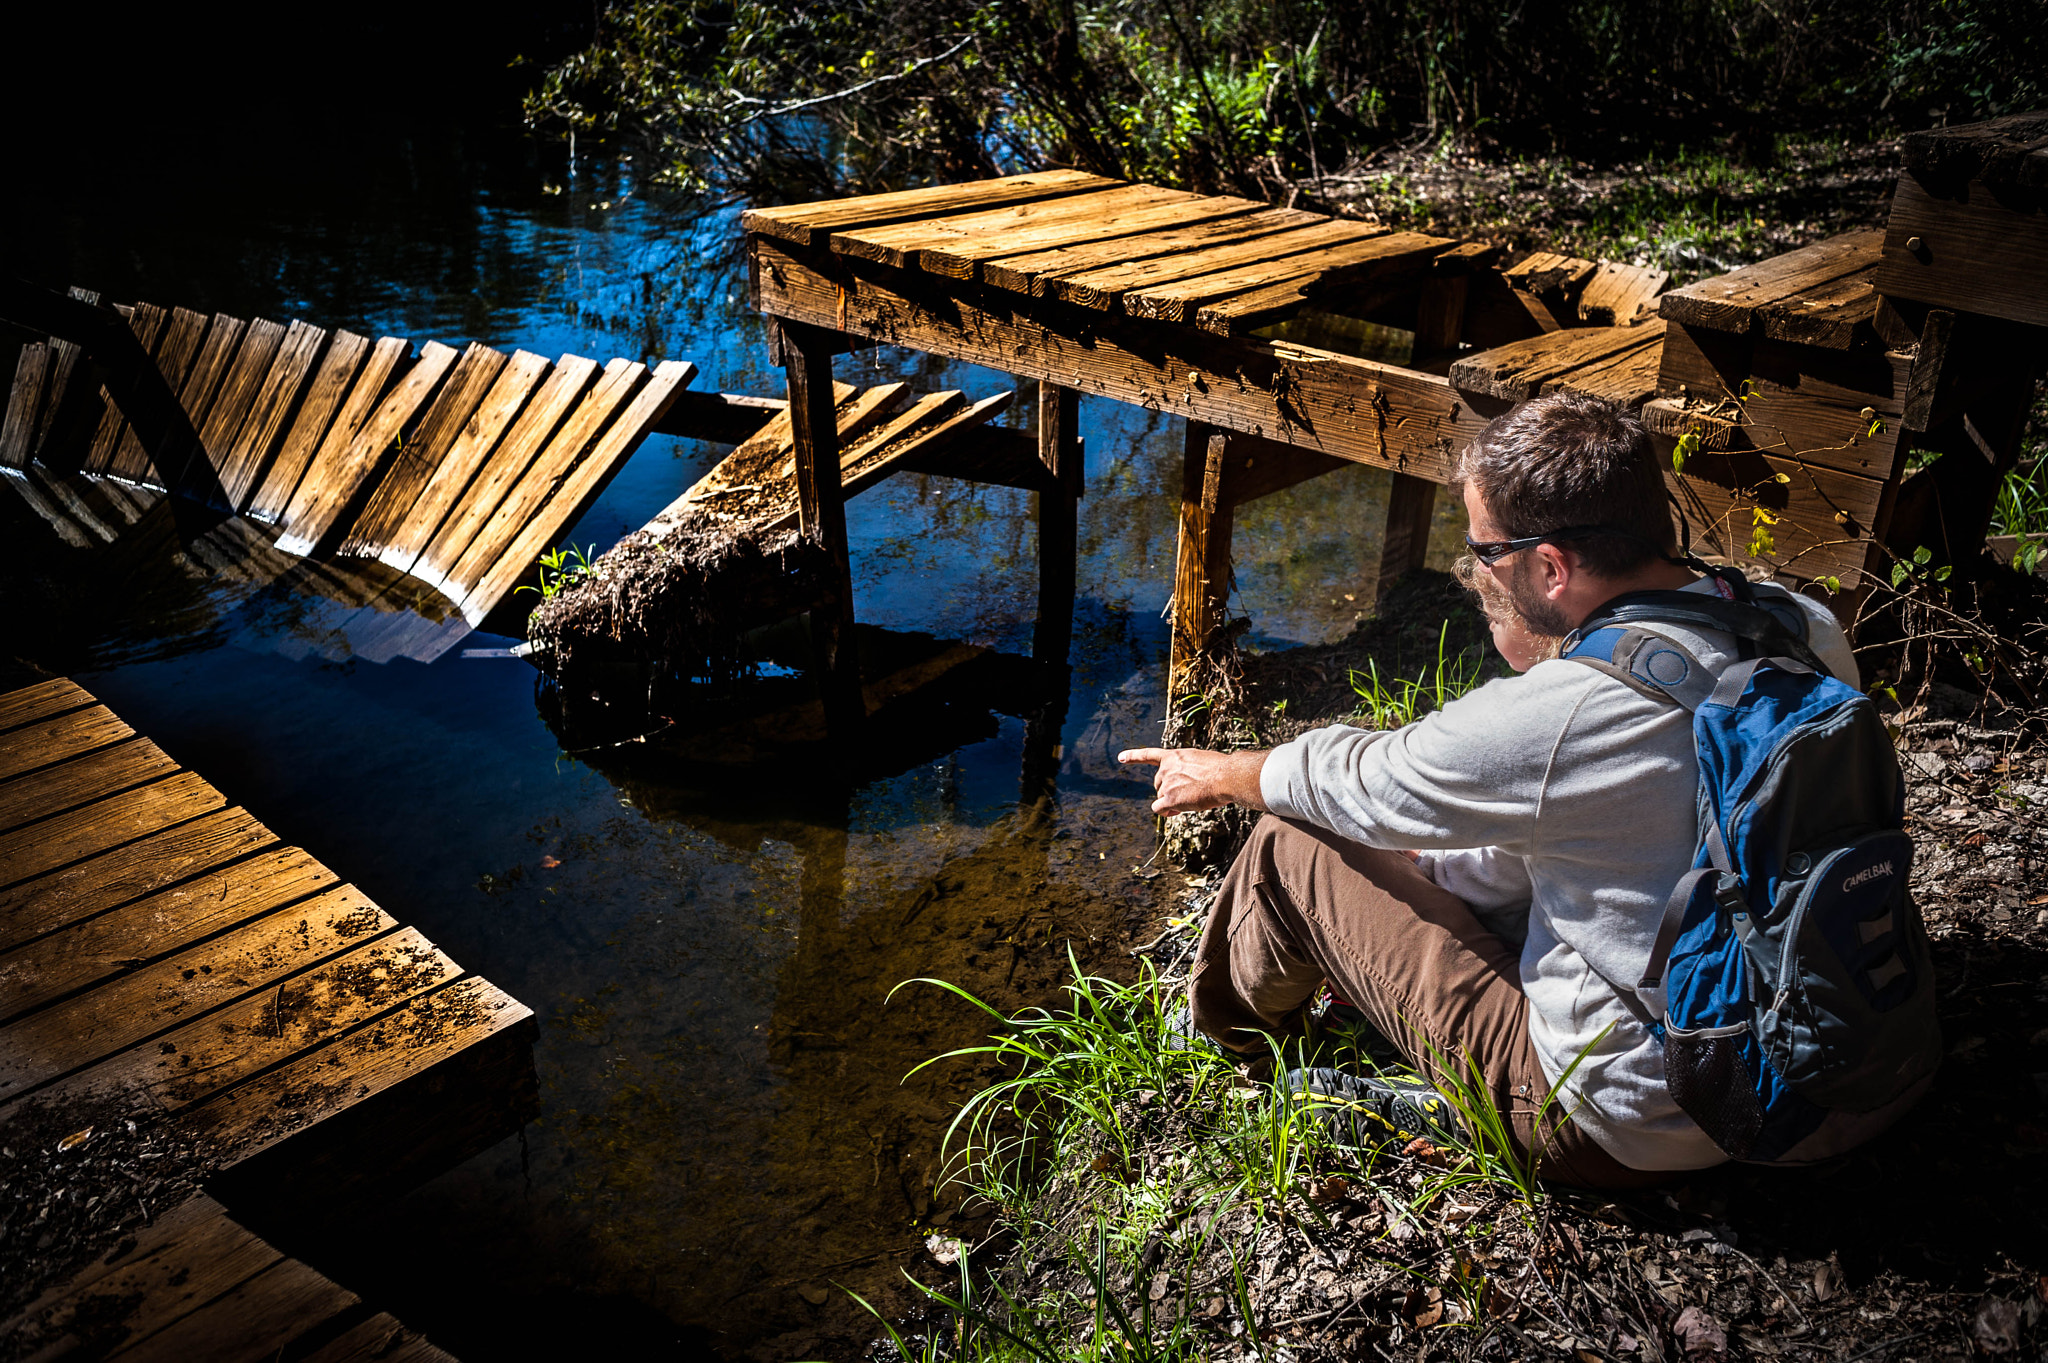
(549, 863)
(74, 1140)
(1997, 1325)
(944, 1248)
(1699, 1334)
(1423, 1307)
(1827, 1280)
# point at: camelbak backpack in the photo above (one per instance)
(1790, 983)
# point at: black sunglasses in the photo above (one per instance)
(1491, 552)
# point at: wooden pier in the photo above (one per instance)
(178, 986)
(1805, 378)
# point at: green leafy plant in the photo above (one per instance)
(2021, 510)
(1389, 706)
(561, 569)
(1916, 570)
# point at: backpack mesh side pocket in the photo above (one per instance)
(1711, 1080)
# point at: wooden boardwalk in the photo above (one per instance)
(457, 468)
(174, 977)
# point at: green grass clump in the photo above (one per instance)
(1385, 706)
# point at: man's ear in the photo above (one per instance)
(1560, 566)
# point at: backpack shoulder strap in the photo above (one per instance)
(1759, 628)
(1659, 667)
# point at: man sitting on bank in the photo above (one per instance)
(1398, 866)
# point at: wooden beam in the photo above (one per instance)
(726, 418)
(1977, 251)
(1059, 448)
(821, 514)
(1201, 578)
(1345, 407)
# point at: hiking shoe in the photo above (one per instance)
(1364, 1111)
(1256, 1060)
(1344, 1036)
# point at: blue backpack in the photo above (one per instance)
(1790, 983)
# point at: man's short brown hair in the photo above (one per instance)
(1568, 460)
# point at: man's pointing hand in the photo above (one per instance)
(1195, 778)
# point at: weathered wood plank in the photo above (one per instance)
(1382, 266)
(25, 404)
(1114, 214)
(49, 903)
(239, 389)
(399, 491)
(546, 471)
(1103, 290)
(808, 224)
(69, 412)
(341, 361)
(501, 472)
(210, 366)
(903, 244)
(1546, 272)
(59, 740)
(147, 321)
(1617, 294)
(1035, 272)
(449, 483)
(2007, 151)
(242, 964)
(1834, 315)
(1202, 568)
(1973, 253)
(886, 451)
(42, 701)
(57, 841)
(363, 439)
(761, 472)
(299, 355)
(1346, 407)
(80, 781)
(183, 336)
(1628, 377)
(380, 1339)
(1411, 507)
(357, 1066)
(567, 499)
(1518, 371)
(1731, 302)
(254, 1321)
(190, 1255)
(140, 931)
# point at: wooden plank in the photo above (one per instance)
(501, 472)
(1036, 272)
(723, 418)
(1347, 407)
(415, 465)
(210, 366)
(1253, 468)
(1113, 215)
(153, 864)
(1628, 377)
(1103, 290)
(47, 844)
(148, 322)
(59, 740)
(253, 1322)
(239, 389)
(42, 701)
(1834, 316)
(2007, 151)
(997, 456)
(1617, 294)
(1546, 272)
(1060, 455)
(422, 1033)
(904, 244)
(188, 1256)
(68, 414)
(525, 495)
(362, 441)
(1968, 253)
(808, 224)
(1385, 264)
(806, 355)
(452, 476)
(253, 444)
(81, 781)
(25, 404)
(1411, 507)
(568, 498)
(761, 473)
(380, 1339)
(183, 336)
(884, 453)
(1800, 399)
(242, 964)
(1518, 371)
(1202, 569)
(90, 950)
(1730, 302)
(341, 361)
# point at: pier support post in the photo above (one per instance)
(806, 356)
(1201, 577)
(1059, 448)
(1411, 501)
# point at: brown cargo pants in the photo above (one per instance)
(1301, 906)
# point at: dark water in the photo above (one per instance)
(725, 1133)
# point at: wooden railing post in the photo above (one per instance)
(806, 355)
(1201, 578)
(1059, 447)
(1411, 501)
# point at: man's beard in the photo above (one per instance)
(1538, 614)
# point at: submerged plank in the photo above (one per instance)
(399, 490)
(239, 390)
(451, 477)
(329, 387)
(174, 359)
(252, 444)
(147, 321)
(24, 404)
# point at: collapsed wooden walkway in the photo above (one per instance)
(175, 980)
(455, 468)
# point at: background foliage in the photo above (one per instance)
(793, 100)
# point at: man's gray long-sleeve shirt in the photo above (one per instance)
(1578, 793)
